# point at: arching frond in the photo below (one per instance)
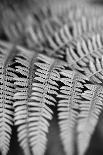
(71, 31)
(74, 29)
(69, 100)
(90, 109)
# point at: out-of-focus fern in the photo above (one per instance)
(80, 52)
(94, 70)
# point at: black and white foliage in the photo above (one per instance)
(51, 55)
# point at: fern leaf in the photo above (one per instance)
(70, 98)
(34, 96)
(71, 31)
(41, 101)
(7, 74)
(60, 38)
(23, 81)
(90, 109)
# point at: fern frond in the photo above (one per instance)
(44, 91)
(34, 96)
(7, 90)
(84, 50)
(60, 38)
(70, 32)
(90, 109)
(23, 82)
(74, 29)
(70, 98)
